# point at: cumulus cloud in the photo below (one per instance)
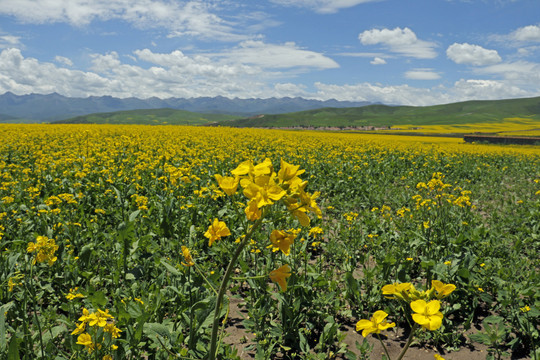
(177, 74)
(193, 18)
(472, 55)
(400, 41)
(529, 33)
(27, 75)
(322, 6)
(422, 74)
(377, 61)
(163, 75)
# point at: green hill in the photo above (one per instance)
(149, 117)
(382, 115)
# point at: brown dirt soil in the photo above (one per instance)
(238, 336)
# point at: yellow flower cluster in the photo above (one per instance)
(262, 186)
(92, 329)
(424, 304)
(407, 292)
(45, 249)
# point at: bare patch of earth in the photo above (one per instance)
(238, 336)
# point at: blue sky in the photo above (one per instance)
(413, 52)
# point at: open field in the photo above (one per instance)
(149, 117)
(465, 115)
(116, 241)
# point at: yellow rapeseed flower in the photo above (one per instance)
(216, 231)
(187, 257)
(280, 276)
(228, 184)
(427, 314)
(375, 325)
(281, 240)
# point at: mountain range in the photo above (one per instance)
(54, 107)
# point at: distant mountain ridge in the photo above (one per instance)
(54, 107)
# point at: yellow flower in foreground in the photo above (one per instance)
(280, 276)
(216, 231)
(427, 314)
(227, 184)
(281, 240)
(86, 340)
(374, 325)
(187, 257)
(288, 171)
(438, 357)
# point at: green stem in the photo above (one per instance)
(205, 279)
(191, 329)
(409, 341)
(33, 293)
(384, 347)
(223, 287)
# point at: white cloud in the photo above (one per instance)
(180, 75)
(164, 75)
(322, 6)
(377, 61)
(9, 41)
(518, 72)
(529, 33)
(422, 74)
(400, 41)
(192, 18)
(487, 90)
(462, 90)
(63, 60)
(272, 56)
(27, 75)
(472, 55)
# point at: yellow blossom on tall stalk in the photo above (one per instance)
(187, 257)
(216, 231)
(281, 240)
(263, 187)
(375, 325)
(280, 276)
(45, 249)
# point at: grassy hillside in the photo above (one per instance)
(382, 115)
(149, 117)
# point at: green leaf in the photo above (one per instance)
(170, 268)
(134, 215)
(157, 329)
(464, 273)
(98, 298)
(13, 351)
(3, 339)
